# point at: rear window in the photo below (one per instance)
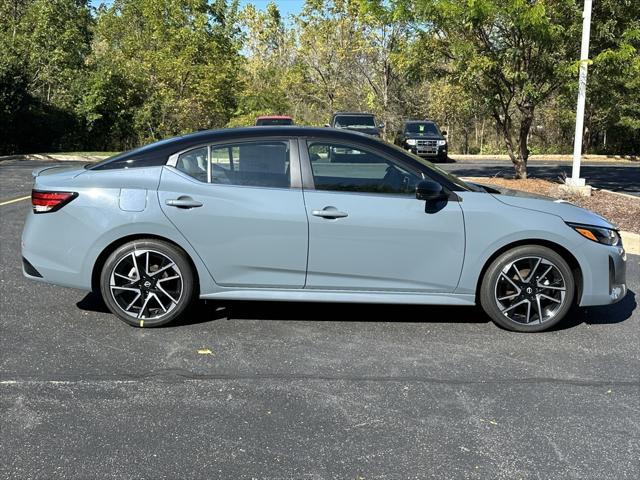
(150, 155)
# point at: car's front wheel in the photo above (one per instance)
(528, 289)
(147, 283)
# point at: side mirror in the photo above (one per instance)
(381, 126)
(443, 132)
(327, 125)
(430, 191)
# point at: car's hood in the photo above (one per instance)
(423, 137)
(563, 209)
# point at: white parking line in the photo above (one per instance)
(14, 200)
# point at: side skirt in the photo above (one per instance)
(343, 296)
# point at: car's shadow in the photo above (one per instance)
(341, 312)
(603, 315)
(206, 311)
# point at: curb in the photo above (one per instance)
(461, 158)
(54, 157)
(631, 242)
(627, 195)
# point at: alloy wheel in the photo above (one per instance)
(146, 284)
(530, 290)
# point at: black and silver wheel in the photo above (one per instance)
(528, 289)
(147, 283)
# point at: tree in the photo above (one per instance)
(612, 119)
(514, 54)
(270, 63)
(182, 55)
(55, 40)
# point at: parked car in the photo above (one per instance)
(359, 122)
(310, 214)
(423, 138)
(270, 120)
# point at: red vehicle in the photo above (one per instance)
(274, 120)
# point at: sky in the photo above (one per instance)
(286, 6)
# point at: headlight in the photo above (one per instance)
(605, 236)
(411, 141)
(442, 143)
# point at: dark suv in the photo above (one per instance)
(424, 138)
(356, 121)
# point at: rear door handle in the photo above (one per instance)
(329, 212)
(183, 202)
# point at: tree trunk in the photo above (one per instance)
(504, 125)
(523, 141)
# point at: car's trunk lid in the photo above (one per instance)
(59, 170)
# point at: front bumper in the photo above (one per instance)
(604, 274)
(618, 275)
(439, 152)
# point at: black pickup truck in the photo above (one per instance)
(356, 121)
(424, 138)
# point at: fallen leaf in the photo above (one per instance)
(204, 351)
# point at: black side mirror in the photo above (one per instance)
(443, 132)
(430, 191)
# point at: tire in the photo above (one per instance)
(148, 283)
(518, 279)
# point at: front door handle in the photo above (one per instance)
(329, 212)
(183, 202)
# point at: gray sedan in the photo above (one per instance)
(310, 214)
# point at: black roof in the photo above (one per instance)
(155, 154)
(419, 121)
(354, 113)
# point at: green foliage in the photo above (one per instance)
(512, 54)
(173, 64)
(499, 76)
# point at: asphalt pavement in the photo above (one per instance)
(619, 177)
(319, 391)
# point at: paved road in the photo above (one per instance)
(307, 391)
(620, 177)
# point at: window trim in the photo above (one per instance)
(307, 171)
(295, 180)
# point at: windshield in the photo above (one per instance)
(449, 176)
(274, 121)
(422, 128)
(355, 121)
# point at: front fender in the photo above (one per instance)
(492, 225)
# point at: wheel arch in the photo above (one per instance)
(559, 249)
(109, 249)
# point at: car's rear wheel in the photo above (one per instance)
(147, 283)
(528, 289)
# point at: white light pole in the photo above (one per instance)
(575, 179)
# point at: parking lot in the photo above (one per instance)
(318, 391)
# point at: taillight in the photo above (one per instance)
(45, 202)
